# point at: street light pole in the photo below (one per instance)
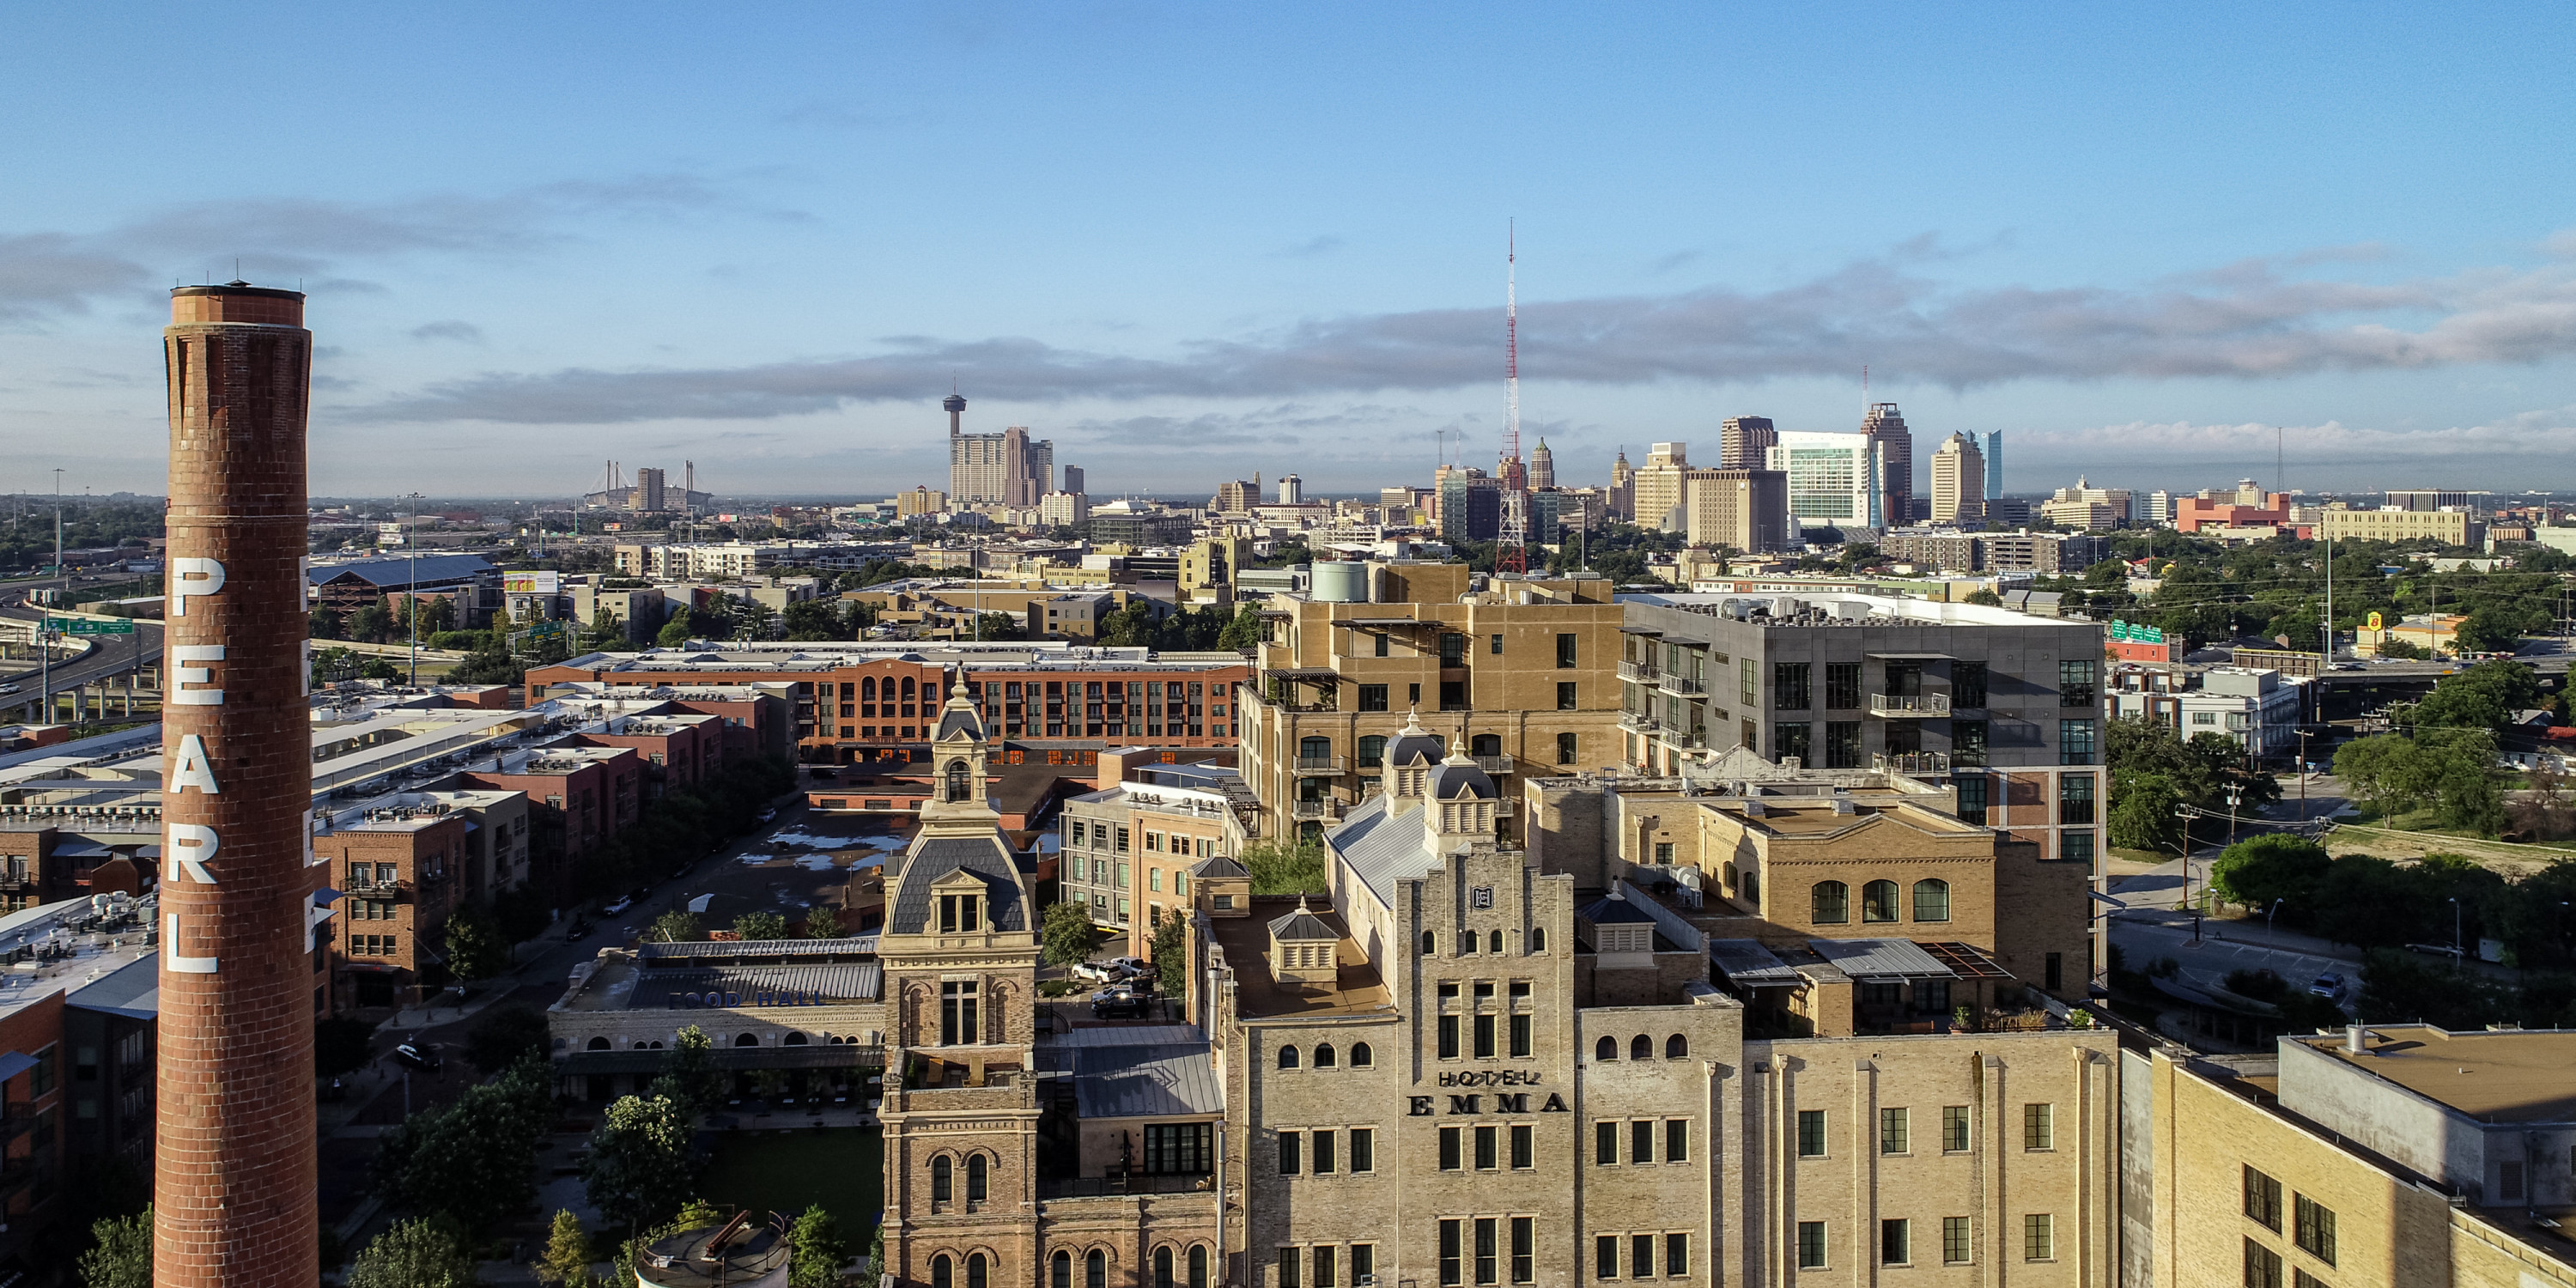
(2457, 956)
(411, 600)
(45, 651)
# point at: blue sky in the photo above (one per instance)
(1193, 242)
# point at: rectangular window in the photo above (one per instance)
(1320, 1149)
(2262, 1266)
(1967, 685)
(1363, 1149)
(2509, 1181)
(2053, 972)
(2075, 847)
(1484, 1037)
(1485, 1250)
(1449, 1145)
(1605, 1256)
(1748, 676)
(1372, 697)
(1641, 1141)
(1520, 1037)
(1968, 740)
(1895, 1243)
(2263, 1200)
(1789, 738)
(2316, 1224)
(2075, 683)
(1288, 1152)
(1811, 1245)
(1291, 1261)
(1972, 798)
(1565, 695)
(2074, 742)
(957, 1025)
(1363, 1261)
(1324, 1266)
(1524, 1249)
(1677, 1140)
(1179, 1149)
(1448, 1037)
(1641, 1255)
(2075, 800)
(1842, 686)
(1842, 744)
(1605, 1143)
(1954, 1241)
(1954, 1128)
(1524, 1149)
(1485, 1151)
(1564, 651)
(1789, 686)
(1676, 1256)
(2038, 1237)
(1811, 1133)
(1497, 647)
(1453, 649)
(2039, 1126)
(1891, 1131)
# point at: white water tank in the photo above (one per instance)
(1340, 582)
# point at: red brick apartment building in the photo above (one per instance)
(853, 707)
(578, 798)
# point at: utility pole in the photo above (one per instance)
(44, 649)
(411, 598)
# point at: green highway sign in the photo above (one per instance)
(84, 626)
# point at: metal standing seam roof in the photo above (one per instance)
(1146, 1081)
(1881, 959)
(1746, 961)
(399, 572)
(954, 721)
(132, 990)
(1302, 926)
(1382, 847)
(986, 857)
(856, 945)
(822, 985)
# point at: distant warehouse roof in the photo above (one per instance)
(431, 570)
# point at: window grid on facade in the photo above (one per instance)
(2263, 1200)
(1954, 1241)
(2039, 1126)
(2038, 1237)
(1954, 1128)
(1892, 1131)
(2316, 1229)
(1811, 1133)
(2262, 1266)
(1895, 1242)
(1811, 1245)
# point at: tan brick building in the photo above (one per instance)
(1519, 674)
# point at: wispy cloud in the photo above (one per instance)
(2330, 445)
(1313, 247)
(449, 330)
(2246, 320)
(43, 273)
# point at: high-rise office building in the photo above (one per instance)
(1292, 490)
(1542, 467)
(1833, 478)
(234, 1165)
(1994, 464)
(1746, 509)
(1471, 505)
(1886, 426)
(1008, 468)
(1658, 484)
(1958, 481)
(1073, 479)
(648, 490)
(1744, 442)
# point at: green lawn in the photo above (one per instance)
(842, 1168)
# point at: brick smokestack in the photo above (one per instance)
(233, 1187)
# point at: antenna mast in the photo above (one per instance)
(1511, 553)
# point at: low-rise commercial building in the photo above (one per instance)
(2259, 710)
(2450, 527)
(1126, 850)
(805, 1010)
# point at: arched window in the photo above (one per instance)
(978, 1169)
(942, 1179)
(793, 1039)
(1427, 944)
(598, 1044)
(1931, 901)
(1467, 943)
(1538, 939)
(1605, 1050)
(1198, 1265)
(746, 1039)
(907, 688)
(1162, 1268)
(1288, 1057)
(1095, 1269)
(1676, 1047)
(1494, 942)
(654, 1045)
(1360, 1056)
(1832, 903)
(940, 1274)
(956, 781)
(1639, 1048)
(868, 689)
(1060, 1271)
(975, 1270)
(1372, 752)
(1324, 1056)
(1878, 901)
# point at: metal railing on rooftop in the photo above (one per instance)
(1919, 706)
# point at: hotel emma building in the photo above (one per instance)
(1461, 1069)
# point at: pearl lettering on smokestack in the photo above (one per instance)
(233, 1188)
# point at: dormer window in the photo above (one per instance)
(959, 914)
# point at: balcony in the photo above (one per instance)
(1911, 762)
(1921, 706)
(1671, 683)
(1322, 765)
(1318, 811)
(1494, 764)
(1639, 722)
(373, 885)
(1643, 672)
(16, 882)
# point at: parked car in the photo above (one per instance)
(768, 815)
(1118, 1004)
(2438, 950)
(8, 688)
(418, 1055)
(623, 903)
(2328, 986)
(576, 932)
(2348, 666)
(1100, 972)
(1131, 966)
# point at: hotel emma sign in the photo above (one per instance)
(1505, 1102)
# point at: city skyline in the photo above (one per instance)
(564, 268)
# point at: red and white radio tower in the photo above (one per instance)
(1511, 552)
